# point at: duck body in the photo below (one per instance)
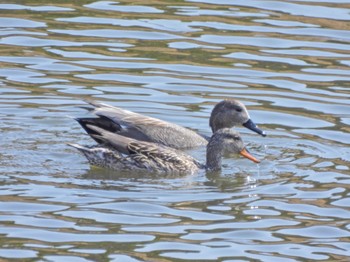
(227, 113)
(121, 153)
(160, 163)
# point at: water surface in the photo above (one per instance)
(287, 61)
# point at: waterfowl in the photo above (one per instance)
(121, 153)
(227, 113)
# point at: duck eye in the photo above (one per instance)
(235, 137)
(239, 109)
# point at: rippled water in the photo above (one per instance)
(288, 61)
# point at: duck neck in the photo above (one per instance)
(214, 155)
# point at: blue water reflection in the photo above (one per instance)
(288, 62)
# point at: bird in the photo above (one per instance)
(226, 114)
(121, 153)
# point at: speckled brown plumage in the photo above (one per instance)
(122, 153)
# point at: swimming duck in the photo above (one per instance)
(227, 113)
(121, 153)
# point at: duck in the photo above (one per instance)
(121, 153)
(226, 114)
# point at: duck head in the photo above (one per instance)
(229, 113)
(225, 141)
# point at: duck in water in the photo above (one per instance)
(122, 153)
(225, 114)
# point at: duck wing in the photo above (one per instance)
(148, 154)
(130, 146)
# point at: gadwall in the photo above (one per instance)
(227, 113)
(127, 154)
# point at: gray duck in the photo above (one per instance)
(227, 113)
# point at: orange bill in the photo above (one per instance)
(246, 154)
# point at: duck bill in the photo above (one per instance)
(246, 154)
(252, 126)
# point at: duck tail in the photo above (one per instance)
(86, 151)
(79, 147)
(101, 122)
(97, 155)
(96, 104)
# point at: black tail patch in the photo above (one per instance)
(101, 122)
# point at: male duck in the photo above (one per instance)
(227, 113)
(118, 152)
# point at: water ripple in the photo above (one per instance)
(287, 61)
